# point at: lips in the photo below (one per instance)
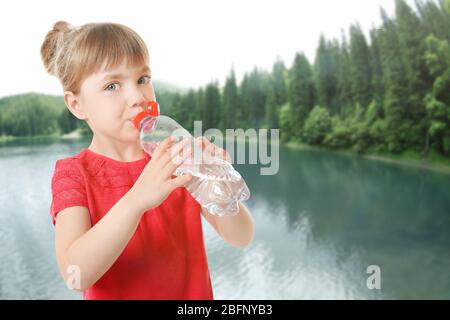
(134, 116)
(151, 109)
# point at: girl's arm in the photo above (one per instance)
(236, 230)
(93, 249)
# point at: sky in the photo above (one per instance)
(191, 42)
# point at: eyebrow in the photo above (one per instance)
(121, 76)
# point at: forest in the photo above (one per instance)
(385, 91)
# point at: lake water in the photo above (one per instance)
(319, 224)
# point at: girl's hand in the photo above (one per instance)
(211, 149)
(156, 182)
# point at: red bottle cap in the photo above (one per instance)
(151, 111)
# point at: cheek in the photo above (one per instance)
(105, 117)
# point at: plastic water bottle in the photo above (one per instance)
(216, 185)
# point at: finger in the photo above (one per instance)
(179, 157)
(180, 181)
(175, 153)
(226, 155)
(163, 146)
(170, 167)
(223, 153)
(203, 142)
(211, 148)
(180, 147)
(199, 142)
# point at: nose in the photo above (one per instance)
(137, 98)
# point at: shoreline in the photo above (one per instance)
(411, 162)
(441, 165)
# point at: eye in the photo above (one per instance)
(144, 80)
(112, 87)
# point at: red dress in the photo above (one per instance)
(165, 258)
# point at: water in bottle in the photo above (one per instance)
(216, 185)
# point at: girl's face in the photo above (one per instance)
(110, 100)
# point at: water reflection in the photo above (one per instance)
(361, 213)
(285, 262)
(319, 223)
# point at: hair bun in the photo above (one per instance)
(62, 26)
(52, 45)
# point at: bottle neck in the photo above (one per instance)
(151, 110)
(147, 124)
(140, 118)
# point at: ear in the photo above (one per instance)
(73, 104)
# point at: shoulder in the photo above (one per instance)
(70, 166)
(66, 163)
(68, 184)
(81, 164)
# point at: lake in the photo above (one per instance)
(320, 223)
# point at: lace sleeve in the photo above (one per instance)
(68, 187)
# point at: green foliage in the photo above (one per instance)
(30, 114)
(230, 102)
(254, 91)
(278, 77)
(271, 111)
(340, 136)
(361, 73)
(286, 123)
(212, 106)
(325, 67)
(301, 92)
(317, 125)
(438, 100)
(387, 93)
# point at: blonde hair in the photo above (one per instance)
(72, 54)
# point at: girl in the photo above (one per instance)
(124, 225)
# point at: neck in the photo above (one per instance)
(116, 150)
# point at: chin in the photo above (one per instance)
(127, 137)
(132, 138)
(132, 134)
(135, 139)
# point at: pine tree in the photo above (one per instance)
(411, 40)
(271, 111)
(230, 102)
(200, 105)
(447, 5)
(435, 19)
(67, 121)
(377, 71)
(343, 74)
(212, 106)
(411, 36)
(360, 67)
(245, 102)
(396, 84)
(325, 72)
(254, 93)
(438, 100)
(301, 92)
(286, 123)
(188, 103)
(279, 82)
